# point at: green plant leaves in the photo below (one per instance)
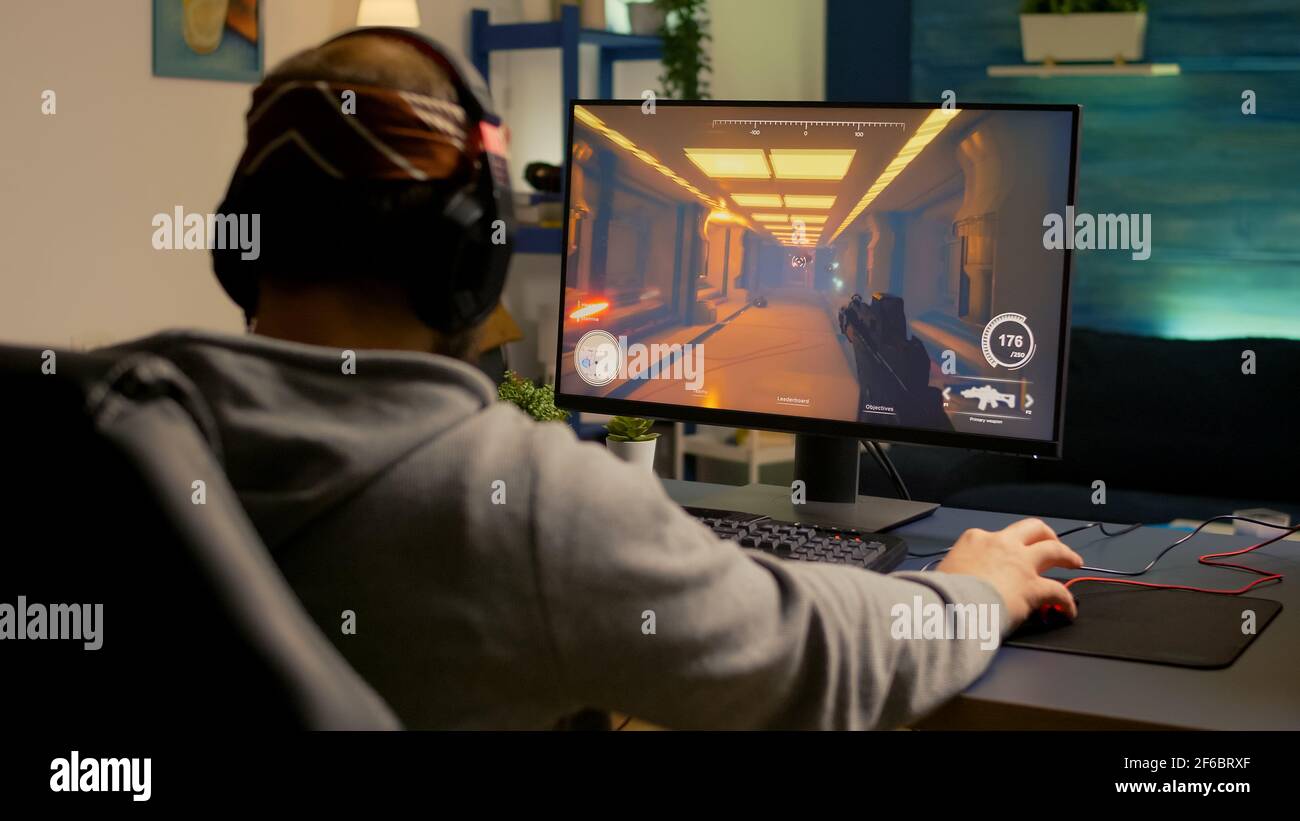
(684, 59)
(630, 429)
(534, 400)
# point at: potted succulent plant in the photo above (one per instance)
(1056, 31)
(631, 440)
(538, 401)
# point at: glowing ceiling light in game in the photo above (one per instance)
(725, 216)
(934, 123)
(592, 121)
(810, 219)
(588, 310)
(759, 200)
(809, 201)
(766, 217)
(811, 163)
(744, 163)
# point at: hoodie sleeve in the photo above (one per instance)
(650, 614)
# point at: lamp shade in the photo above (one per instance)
(401, 13)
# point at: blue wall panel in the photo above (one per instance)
(1223, 188)
(868, 50)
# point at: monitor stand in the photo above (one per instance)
(828, 468)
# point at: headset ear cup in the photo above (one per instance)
(476, 268)
(475, 265)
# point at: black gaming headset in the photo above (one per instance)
(462, 291)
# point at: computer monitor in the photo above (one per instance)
(873, 271)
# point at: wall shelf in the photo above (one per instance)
(1221, 64)
(565, 34)
(1087, 70)
(534, 239)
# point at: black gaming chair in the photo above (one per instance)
(101, 460)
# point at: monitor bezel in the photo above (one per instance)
(829, 427)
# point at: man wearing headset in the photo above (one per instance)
(477, 568)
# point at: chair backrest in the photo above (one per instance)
(114, 498)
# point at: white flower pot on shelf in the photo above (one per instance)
(641, 454)
(645, 18)
(1084, 37)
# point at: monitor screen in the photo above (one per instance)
(884, 272)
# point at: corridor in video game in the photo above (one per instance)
(771, 253)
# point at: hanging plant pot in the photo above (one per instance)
(1083, 37)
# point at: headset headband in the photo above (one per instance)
(470, 88)
(474, 95)
(464, 288)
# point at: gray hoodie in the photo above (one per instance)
(501, 574)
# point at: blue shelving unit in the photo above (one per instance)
(533, 239)
(565, 34)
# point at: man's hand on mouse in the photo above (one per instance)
(1012, 560)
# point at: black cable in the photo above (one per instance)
(898, 477)
(887, 466)
(867, 446)
(626, 721)
(1100, 526)
(1287, 530)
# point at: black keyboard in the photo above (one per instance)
(804, 542)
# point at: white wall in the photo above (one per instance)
(78, 189)
(768, 49)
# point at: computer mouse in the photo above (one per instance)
(1053, 615)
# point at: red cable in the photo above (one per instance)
(1237, 592)
(1205, 560)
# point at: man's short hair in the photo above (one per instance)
(312, 227)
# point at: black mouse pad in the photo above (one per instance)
(1178, 627)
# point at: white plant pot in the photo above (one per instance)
(644, 18)
(641, 454)
(1091, 37)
